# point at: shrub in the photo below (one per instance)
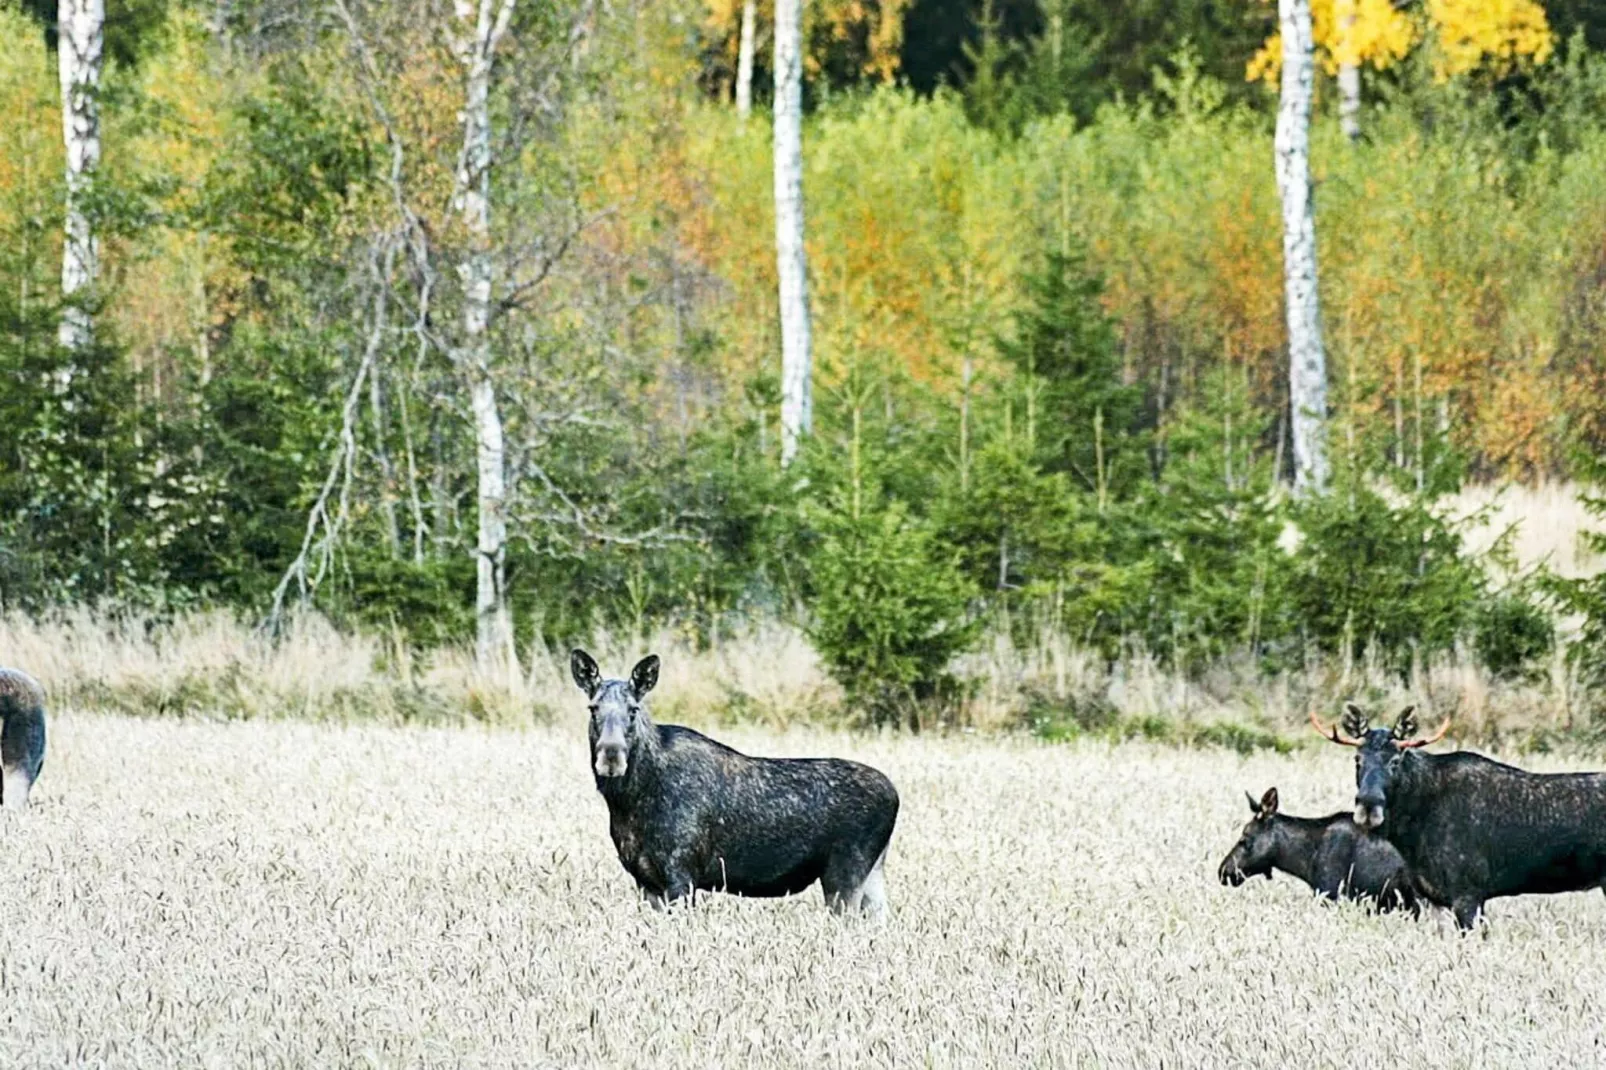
(888, 611)
(1511, 633)
(1372, 574)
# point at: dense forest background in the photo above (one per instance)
(1050, 357)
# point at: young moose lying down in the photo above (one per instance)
(1331, 854)
(688, 813)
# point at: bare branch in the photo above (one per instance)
(341, 465)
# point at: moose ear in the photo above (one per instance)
(1355, 721)
(1254, 807)
(1405, 727)
(644, 677)
(1268, 803)
(584, 668)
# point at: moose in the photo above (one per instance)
(22, 736)
(1330, 854)
(687, 813)
(1470, 828)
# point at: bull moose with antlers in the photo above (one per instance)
(1469, 828)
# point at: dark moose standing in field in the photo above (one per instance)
(688, 813)
(1471, 829)
(1331, 854)
(22, 736)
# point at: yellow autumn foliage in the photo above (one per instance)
(1470, 34)
(1498, 34)
(30, 136)
(842, 22)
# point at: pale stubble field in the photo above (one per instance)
(276, 894)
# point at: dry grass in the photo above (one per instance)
(214, 667)
(1235, 703)
(188, 893)
(1548, 521)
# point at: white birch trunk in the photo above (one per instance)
(1349, 73)
(791, 258)
(1307, 368)
(82, 25)
(744, 59)
(1349, 100)
(476, 49)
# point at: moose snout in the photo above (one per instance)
(1369, 808)
(610, 759)
(1230, 872)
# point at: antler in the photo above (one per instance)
(1443, 728)
(1331, 734)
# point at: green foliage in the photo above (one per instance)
(1081, 418)
(1586, 596)
(888, 609)
(1096, 202)
(1512, 633)
(1371, 573)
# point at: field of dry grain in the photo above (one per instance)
(187, 893)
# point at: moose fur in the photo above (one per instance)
(22, 736)
(1472, 829)
(1331, 854)
(688, 813)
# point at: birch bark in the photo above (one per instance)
(1349, 100)
(744, 59)
(791, 258)
(481, 26)
(1307, 369)
(1349, 70)
(79, 50)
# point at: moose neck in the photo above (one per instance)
(1418, 777)
(1297, 838)
(643, 768)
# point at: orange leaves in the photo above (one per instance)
(870, 31)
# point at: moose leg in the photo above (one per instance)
(678, 887)
(1466, 912)
(15, 783)
(873, 892)
(850, 884)
(22, 753)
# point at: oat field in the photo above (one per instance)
(187, 893)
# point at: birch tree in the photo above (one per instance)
(79, 51)
(1467, 34)
(744, 58)
(1307, 366)
(791, 257)
(1349, 70)
(480, 27)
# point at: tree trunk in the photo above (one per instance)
(744, 59)
(1307, 368)
(1349, 100)
(387, 470)
(81, 26)
(1349, 70)
(476, 49)
(791, 258)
